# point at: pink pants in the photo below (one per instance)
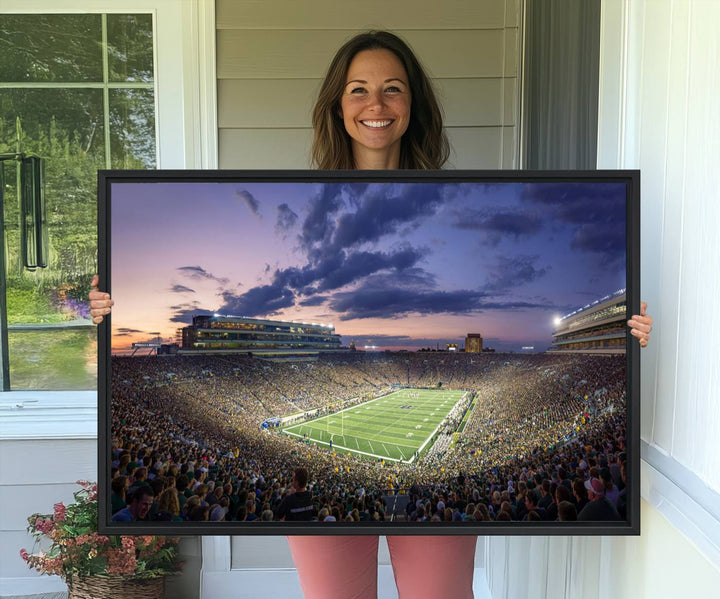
(433, 567)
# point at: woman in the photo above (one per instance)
(376, 109)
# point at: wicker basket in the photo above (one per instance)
(116, 587)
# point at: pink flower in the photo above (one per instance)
(44, 526)
(24, 555)
(59, 512)
(128, 543)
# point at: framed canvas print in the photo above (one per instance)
(366, 352)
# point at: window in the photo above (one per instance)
(77, 90)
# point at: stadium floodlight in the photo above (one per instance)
(557, 321)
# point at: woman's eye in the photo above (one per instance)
(393, 89)
(357, 90)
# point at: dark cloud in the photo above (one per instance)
(126, 332)
(608, 241)
(317, 224)
(410, 278)
(329, 237)
(580, 203)
(265, 300)
(361, 264)
(198, 273)
(332, 272)
(249, 201)
(378, 210)
(183, 313)
(397, 302)
(381, 213)
(316, 300)
(597, 210)
(286, 218)
(195, 272)
(516, 224)
(181, 289)
(512, 271)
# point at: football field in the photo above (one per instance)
(393, 427)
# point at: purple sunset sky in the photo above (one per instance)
(397, 265)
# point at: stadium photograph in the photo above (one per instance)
(368, 352)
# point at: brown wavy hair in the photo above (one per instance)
(423, 146)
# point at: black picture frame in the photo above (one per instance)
(629, 179)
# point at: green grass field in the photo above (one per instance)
(392, 427)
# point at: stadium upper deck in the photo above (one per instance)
(231, 334)
(596, 328)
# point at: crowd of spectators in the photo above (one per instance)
(544, 438)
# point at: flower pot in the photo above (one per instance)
(116, 587)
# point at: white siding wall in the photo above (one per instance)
(659, 90)
(271, 57)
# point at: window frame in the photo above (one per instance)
(185, 129)
(181, 29)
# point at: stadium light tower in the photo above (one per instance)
(557, 320)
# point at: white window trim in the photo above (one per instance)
(683, 498)
(42, 415)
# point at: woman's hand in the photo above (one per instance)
(641, 325)
(100, 302)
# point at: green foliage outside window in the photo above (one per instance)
(81, 89)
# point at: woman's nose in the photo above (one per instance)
(376, 99)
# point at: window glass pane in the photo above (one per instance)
(65, 128)
(54, 359)
(37, 48)
(51, 118)
(130, 47)
(132, 128)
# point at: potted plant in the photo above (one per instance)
(67, 544)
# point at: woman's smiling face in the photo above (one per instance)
(375, 107)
